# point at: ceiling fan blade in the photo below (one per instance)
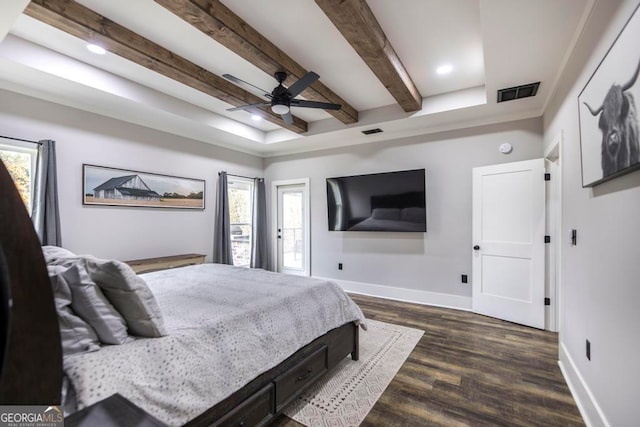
(302, 84)
(249, 106)
(238, 81)
(288, 118)
(314, 104)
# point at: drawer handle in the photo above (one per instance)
(241, 424)
(305, 375)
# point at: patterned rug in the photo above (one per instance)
(345, 396)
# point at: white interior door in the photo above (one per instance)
(553, 164)
(508, 239)
(292, 228)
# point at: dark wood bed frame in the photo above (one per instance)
(30, 347)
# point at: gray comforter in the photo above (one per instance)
(226, 325)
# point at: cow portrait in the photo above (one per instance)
(618, 124)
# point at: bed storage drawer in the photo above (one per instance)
(291, 383)
(257, 410)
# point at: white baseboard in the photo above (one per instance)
(406, 295)
(586, 402)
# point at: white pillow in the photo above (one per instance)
(129, 294)
(88, 302)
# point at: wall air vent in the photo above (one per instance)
(372, 131)
(518, 92)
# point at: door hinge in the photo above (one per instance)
(547, 177)
(547, 301)
(547, 239)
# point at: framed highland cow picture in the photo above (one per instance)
(123, 187)
(608, 111)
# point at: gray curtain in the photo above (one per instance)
(259, 250)
(222, 253)
(46, 213)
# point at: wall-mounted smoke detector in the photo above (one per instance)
(372, 131)
(518, 92)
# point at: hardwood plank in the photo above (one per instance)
(469, 370)
(220, 23)
(357, 23)
(81, 22)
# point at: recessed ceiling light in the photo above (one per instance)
(256, 117)
(444, 69)
(96, 49)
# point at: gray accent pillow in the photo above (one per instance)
(88, 302)
(129, 294)
(76, 335)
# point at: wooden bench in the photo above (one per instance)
(164, 263)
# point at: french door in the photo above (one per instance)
(292, 227)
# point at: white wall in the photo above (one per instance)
(123, 232)
(430, 262)
(601, 275)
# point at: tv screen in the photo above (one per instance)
(392, 201)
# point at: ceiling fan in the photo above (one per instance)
(281, 99)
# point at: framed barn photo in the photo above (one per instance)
(122, 187)
(608, 111)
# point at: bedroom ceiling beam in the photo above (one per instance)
(81, 22)
(225, 27)
(357, 23)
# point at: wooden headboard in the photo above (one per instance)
(30, 349)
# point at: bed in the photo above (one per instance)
(224, 355)
(395, 212)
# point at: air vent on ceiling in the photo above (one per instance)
(518, 92)
(372, 131)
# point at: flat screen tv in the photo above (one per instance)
(392, 201)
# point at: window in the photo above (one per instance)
(20, 159)
(240, 217)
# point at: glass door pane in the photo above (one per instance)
(240, 193)
(292, 230)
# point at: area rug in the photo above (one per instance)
(345, 395)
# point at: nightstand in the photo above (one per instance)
(114, 411)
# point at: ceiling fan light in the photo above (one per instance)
(280, 109)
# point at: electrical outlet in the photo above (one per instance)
(588, 350)
(464, 278)
(339, 266)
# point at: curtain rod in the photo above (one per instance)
(20, 139)
(241, 176)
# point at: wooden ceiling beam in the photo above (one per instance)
(81, 22)
(221, 24)
(357, 23)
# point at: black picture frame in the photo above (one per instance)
(607, 110)
(109, 186)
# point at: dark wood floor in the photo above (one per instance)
(469, 370)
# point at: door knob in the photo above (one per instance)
(476, 248)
